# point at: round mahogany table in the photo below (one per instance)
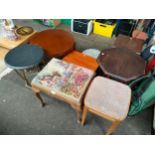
(121, 64)
(55, 42)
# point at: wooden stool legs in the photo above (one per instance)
(40, 99)
(84, 115)
(112, 127)
(109, 131)
(37, 94)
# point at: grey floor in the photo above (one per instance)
(21, 114)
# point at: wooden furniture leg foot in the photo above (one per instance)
(113, 127)
(40, 99)
(84, 114)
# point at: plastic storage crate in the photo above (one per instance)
(66, 21)
(49, 22)
(104, 27)
(83, 26)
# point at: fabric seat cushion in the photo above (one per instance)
(109, 97)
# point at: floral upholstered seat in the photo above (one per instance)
(64, 80)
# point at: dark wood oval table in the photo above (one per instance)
(121, 64)
(55, 42)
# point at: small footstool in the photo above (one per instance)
(108, 99)
(64, 81)
(81, 59)
(92, 52)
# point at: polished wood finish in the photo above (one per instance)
(133, 44)
(113, 127)
(9, 44)
(77, 107)
(121, 64)
(37, 94)
(55, 42)
(3, 52)
(81, 59)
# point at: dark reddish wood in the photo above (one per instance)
(133, 44)
(121, 63)
(55, 42)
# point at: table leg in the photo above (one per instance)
(84, 115)
(37, 94)
(26, 80)
(28, 85)
(113, 127)
(40, 99)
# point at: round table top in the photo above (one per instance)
(24, 56)
(92, 52)
(122, 64)
(55, 42)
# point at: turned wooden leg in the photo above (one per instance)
(40, 99)
(112, 127)
(37, 94)
(84, 114)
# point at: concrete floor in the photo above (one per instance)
(21, 114)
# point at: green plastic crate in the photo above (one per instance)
(50, 22)
(66, 21)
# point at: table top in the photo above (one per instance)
(63, 80)
(122, 64)
(9, 44)
(3, 52)
(55, 42)
(92, 52)
(81, 59)
(133, 44)
(24, 56)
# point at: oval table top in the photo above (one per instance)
(55, 42)
(24, 56)
(121, 63)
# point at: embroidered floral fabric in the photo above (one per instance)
(64, 78)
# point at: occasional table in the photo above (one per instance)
(64, 81)
(92, 52)
(55, 42)
(3, 67)
(24, 57)
(9, 44)
(133, 44)
(3, 52)
(81, 59)
(121, 64)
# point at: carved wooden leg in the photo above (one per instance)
(112, 127)
(40, 99)
(84, 114)
(37, 94)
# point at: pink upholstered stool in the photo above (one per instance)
(108, 99)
